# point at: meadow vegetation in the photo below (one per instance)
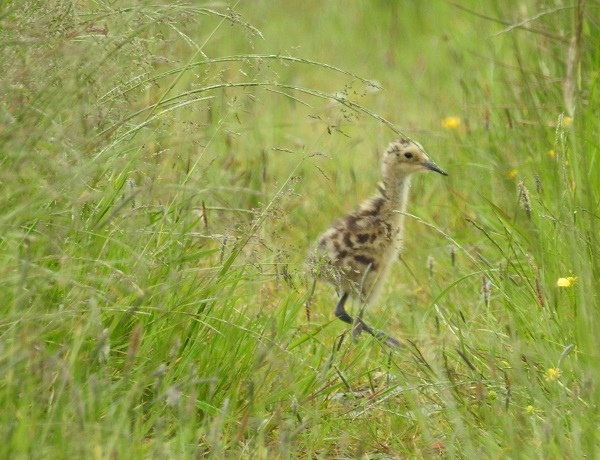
(166, 166)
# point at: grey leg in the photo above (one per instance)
(340, 311)
(360, 325)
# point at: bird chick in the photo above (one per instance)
(355, 253)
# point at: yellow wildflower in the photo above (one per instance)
(553, 374)
(551, 153)
(512, 173)
(567, 121)
(451, 122)
(530, 410)
(566, 282)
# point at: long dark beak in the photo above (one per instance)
(434, 167)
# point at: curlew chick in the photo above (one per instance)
(356, 252)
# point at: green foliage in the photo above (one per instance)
(165, 168)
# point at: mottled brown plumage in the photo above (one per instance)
(356, 252)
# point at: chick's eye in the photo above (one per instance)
(408, 155)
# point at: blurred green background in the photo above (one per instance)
(167, 166)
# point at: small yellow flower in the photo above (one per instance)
(566, 282)
(567, 121)
(451, 122)
(512, 173)
(551, 153)
(530, 410)
(553, 374)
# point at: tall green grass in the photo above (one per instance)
(165, 168)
